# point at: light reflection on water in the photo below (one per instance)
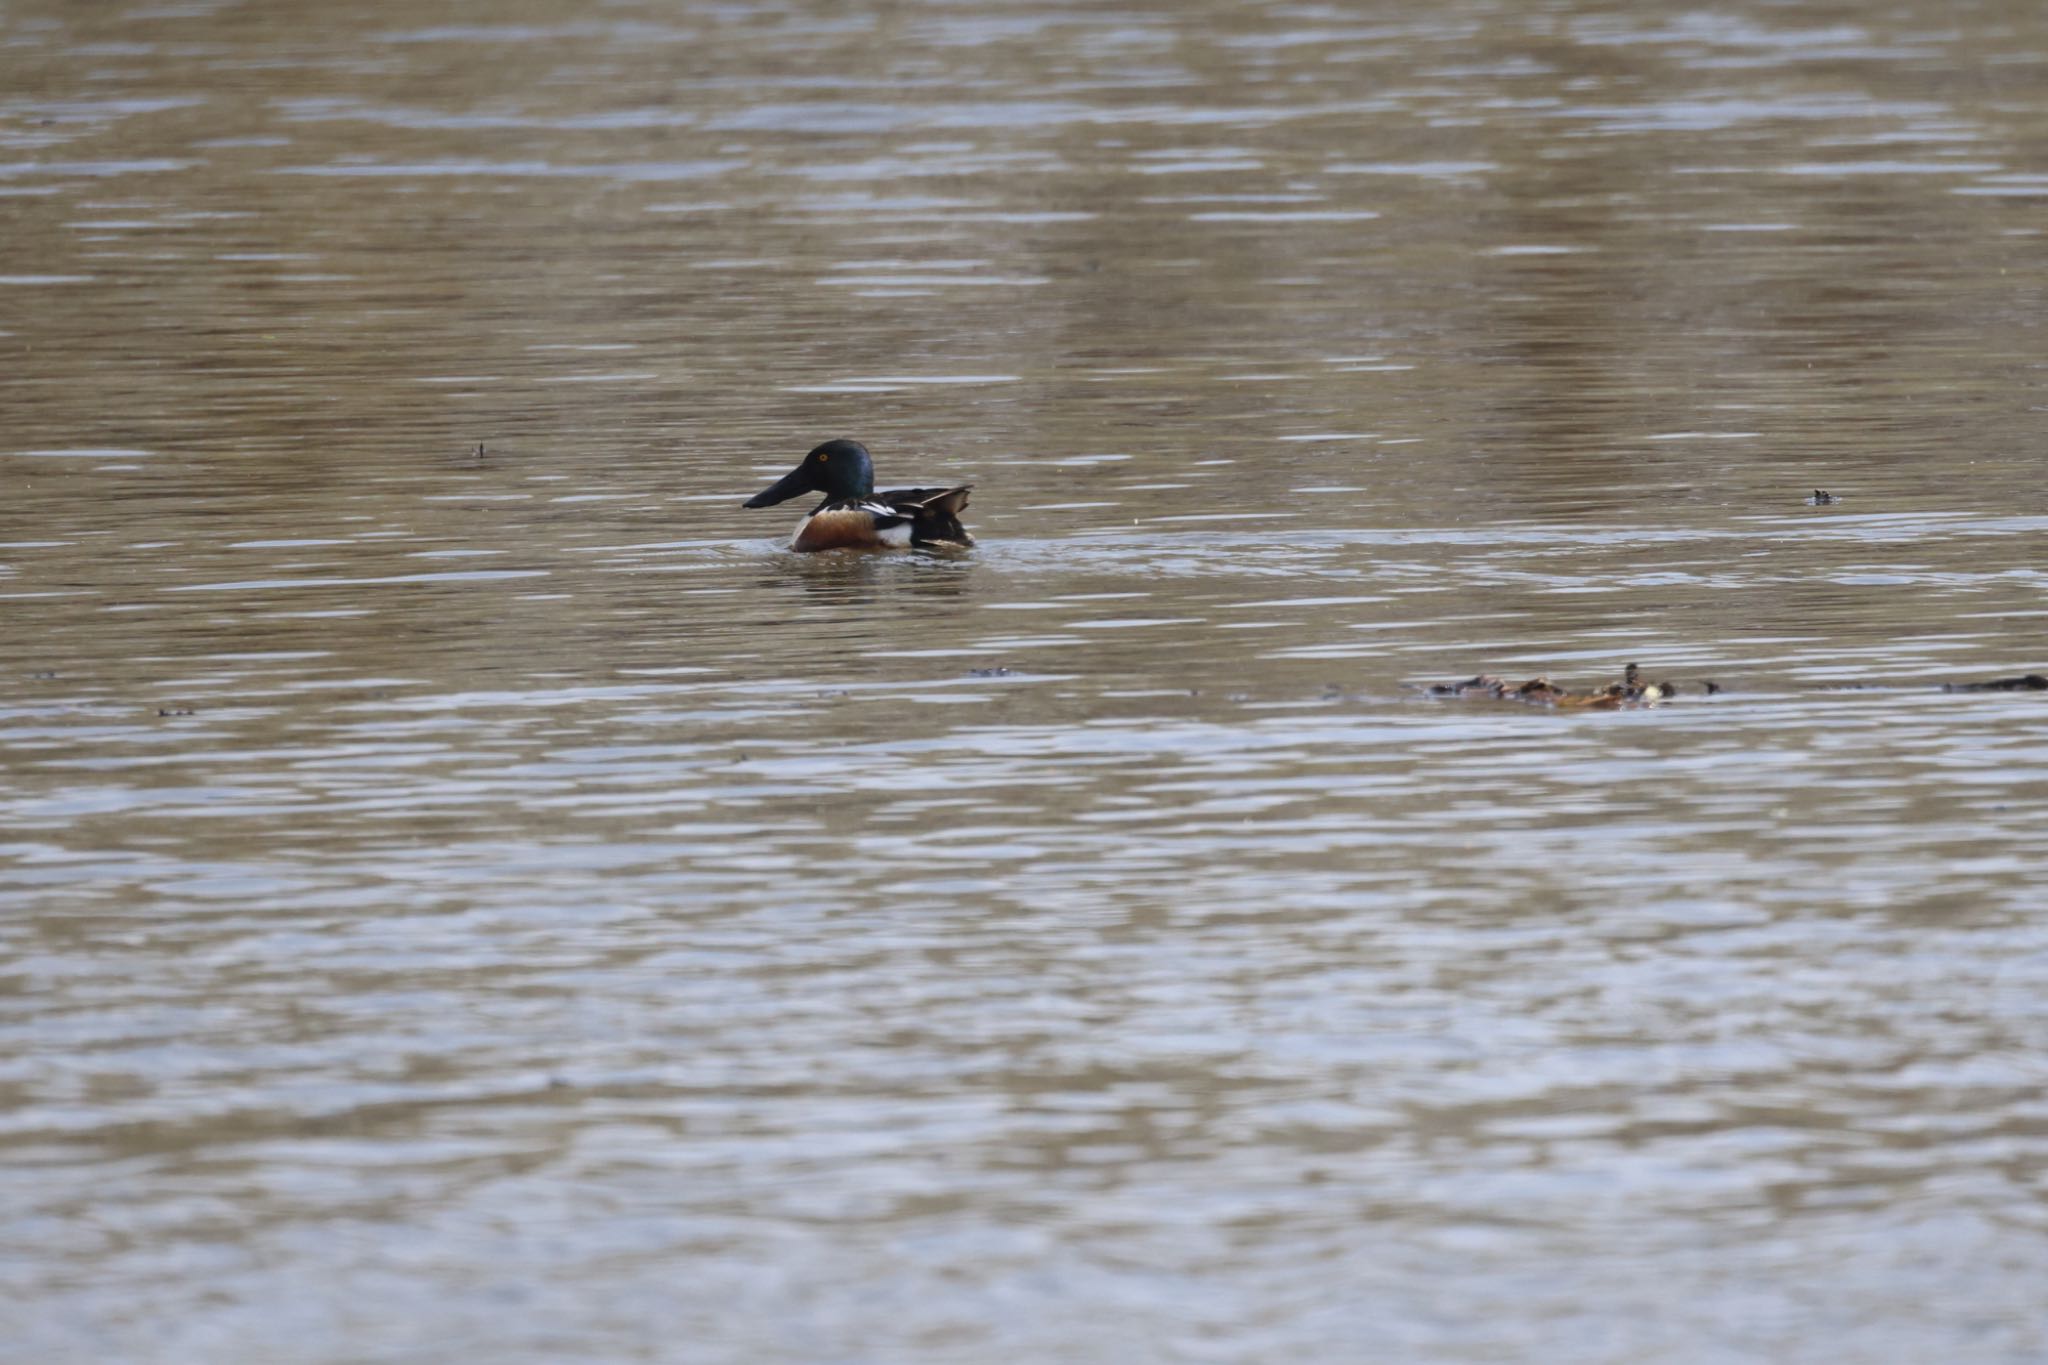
(495, 893)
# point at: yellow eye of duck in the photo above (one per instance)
(823, 458)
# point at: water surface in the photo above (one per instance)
(465, 889)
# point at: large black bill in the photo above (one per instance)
(796, 482)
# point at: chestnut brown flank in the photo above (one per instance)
(838, 529)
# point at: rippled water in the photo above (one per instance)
(467, 891)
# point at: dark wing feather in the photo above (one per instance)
(945, 501)
(934, 513)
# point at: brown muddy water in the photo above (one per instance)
(502, 906)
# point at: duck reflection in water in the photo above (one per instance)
(851, 584)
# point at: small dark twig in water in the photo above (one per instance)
(2031, 682)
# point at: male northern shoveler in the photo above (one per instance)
(854, 516)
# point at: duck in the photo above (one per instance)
(854, 516)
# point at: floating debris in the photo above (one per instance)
(1822, 498)
(991, 673)
(1631, 691)
(2031, 682)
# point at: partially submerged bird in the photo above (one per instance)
(1631, 691)
(854, 516)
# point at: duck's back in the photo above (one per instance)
(934, 513)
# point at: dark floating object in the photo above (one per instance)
(1631, 691)
(854, 516)
(1822, 498)
(991, 672)
(2031, 682)
(174, 710)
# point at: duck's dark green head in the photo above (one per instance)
(838, 469)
